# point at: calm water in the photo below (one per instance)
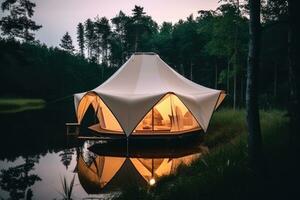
(35, 156)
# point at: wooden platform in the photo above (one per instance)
(73, 128)
(141, 133)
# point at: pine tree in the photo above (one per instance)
(89, 35)
(118, 42)
(137, 23)
(67, 44)
(80, 38)
(18, 23)
(102, 30)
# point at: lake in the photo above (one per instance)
(36, 157)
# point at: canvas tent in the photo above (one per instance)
(147, 97)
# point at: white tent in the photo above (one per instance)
(146, 96)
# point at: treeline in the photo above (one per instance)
(36, 71)
(210, 49)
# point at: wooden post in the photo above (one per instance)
(76, 130)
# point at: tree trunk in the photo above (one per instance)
(191, 74)
(293, 63)
(102, 73)
(136, 43)
(275, 80)
(242, 92)
(254, 131)
(234, 89)
(228, 69)
(235, 53)
(216, 76)
(182, 70)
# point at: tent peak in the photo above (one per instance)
(144, 53)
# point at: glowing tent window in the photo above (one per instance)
(107, 121)
(169, 115)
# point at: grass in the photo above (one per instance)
(224, 172)
(67, 189)
(13, 105)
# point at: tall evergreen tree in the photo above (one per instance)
(89, 35)
(18, 24)
(102, 29)
(67, 44)
(118, 42)
(138, 15)
(80, 38)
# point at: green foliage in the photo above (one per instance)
(80, 38)
(66, 43)
(224, 172)
(35, 71)
(19, 105)
(18, 23)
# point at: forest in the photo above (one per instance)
(246, 48)
(209, 49)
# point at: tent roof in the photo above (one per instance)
(142, 81)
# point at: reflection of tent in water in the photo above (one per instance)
(146, 97)
(103, 173)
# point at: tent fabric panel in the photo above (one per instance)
(116, 83)
(130, 110)
(202, 106)
(221, 99)
(150, 79)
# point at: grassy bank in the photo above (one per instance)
(12, 105)
(224, 173)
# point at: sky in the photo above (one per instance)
(60, 16)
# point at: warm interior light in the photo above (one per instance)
(152, 181)
(168, 115)
(107, 120)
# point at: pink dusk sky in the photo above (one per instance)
(59, 16)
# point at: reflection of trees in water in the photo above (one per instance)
(66, 157)
(17, 180)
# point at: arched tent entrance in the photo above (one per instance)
(107, 121)
(168, 116)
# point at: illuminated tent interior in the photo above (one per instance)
(101, 172)
(147, 97)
